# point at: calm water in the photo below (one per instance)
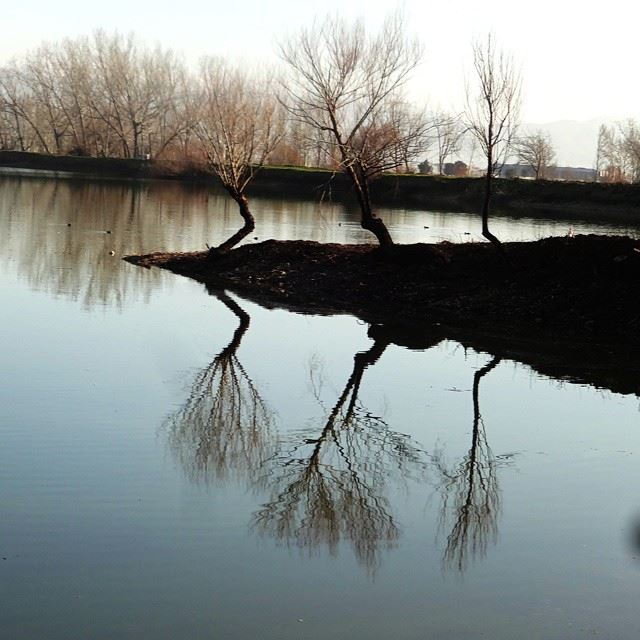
(178, 464)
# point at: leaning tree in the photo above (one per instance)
(345, 85)
(239, 125)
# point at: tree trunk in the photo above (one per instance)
(485, 204)
(58, 140)
(245, 230)
(19, 132)
(361, 361)
(369, 221)
(244, 318)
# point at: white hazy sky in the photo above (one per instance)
(578, 59)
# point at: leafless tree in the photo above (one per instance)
(40, 75)
(22, 108)
(537, 152)
(345, 84)
(71, 84)
(609, 157)
(629, 148)
(448, 131)
(618, 152)
(12, 126)
(492, 112)
(392, 142)
(600, 152)
(136, 90)
(105, 95)
(239, 126)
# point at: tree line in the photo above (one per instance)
(109, 95)
(338, 101)
(618, 152)
(104, 95)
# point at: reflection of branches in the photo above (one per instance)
(224, 426)
(470, 492)
(74, 261)
(332, 487)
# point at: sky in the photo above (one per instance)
(578, 59)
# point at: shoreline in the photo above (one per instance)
(566, 200)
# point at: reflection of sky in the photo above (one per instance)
(102, 531)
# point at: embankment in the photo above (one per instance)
(526, 197)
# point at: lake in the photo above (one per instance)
(178, 463)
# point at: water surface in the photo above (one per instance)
(184, 463)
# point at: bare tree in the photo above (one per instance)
(629, 147)
(106, 95)
(136, 90)
(393, 141)
(24, 110)
(492, 113)
(239, 126)
(600, 151)
(345, 84)
(13, 135)
(42, 78)
(449, 131)
(618, 152)
(537, 152)
(609, 156)
(72, 63)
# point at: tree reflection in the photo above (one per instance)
(224, 428)
(470, 492)
(65, 237)
(332, 487)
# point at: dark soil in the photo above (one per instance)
(582, 287)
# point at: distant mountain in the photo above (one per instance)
(575, 142)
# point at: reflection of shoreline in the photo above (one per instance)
(557, 200)
(612, 366)
(59, 235)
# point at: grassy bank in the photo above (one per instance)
(526, 197)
